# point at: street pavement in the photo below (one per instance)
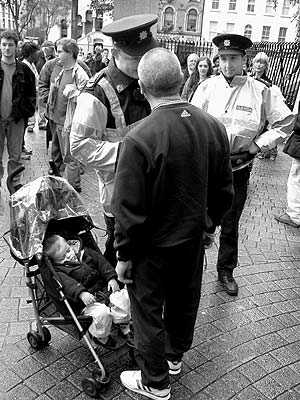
(245, 347)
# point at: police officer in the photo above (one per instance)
(243, 104)
(110, 105)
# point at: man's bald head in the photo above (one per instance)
(160, 73)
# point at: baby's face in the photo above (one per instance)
(59, 250)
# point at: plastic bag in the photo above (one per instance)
(102, 320)
(120, 306)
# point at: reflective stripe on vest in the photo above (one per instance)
(114, 134)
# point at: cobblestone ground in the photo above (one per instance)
(244, 348)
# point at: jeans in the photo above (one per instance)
(13, 132)
(56, 154)
(164, 297)
(293, 192)
(67, 167)
(228, 250)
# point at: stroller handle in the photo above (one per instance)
(9, 180)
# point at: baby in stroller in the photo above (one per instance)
(90, 284)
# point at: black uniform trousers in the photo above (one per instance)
(228, 251)
(165, 296)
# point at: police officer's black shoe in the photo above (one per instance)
(228, 282)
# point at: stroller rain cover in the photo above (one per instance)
(34, 205)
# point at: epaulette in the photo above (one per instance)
(92, 82)
(268, 84)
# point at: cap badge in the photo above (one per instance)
(120, 87)
(143, 35)
(226, 43)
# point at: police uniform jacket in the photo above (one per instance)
(110, 104)
(244, 106)
(173, 179)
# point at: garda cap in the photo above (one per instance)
(228, 41)
(132, 34)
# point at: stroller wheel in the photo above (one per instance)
(35, 340)
(47, 336)
(90, 387)
(101, 380)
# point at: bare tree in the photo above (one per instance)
(21, 12)
(53, 11)
(102, 6)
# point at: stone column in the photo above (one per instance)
(94, 21)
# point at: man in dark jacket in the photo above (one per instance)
(18, 101)
(173, 183)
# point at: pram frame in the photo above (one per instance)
(41, 338)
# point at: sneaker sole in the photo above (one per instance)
(147, 394)
(174, 372)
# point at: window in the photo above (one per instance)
(191, 21)
(282, 34)
(169, 17)
(229, 27)
(248, 31)
(232, 5)
(285, 7)
(265, 33)
(250, 6)
(215, 4)
(213, 29)
(269, 7)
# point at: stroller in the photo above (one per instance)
(50, 205)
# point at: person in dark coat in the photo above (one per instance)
(17, 102)
(173, 184)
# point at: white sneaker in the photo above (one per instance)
(174, 367)
(132, 380)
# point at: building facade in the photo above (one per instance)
(256, 19)
(180, 19)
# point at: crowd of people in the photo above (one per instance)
(172, 151)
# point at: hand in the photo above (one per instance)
(69, 89)
(253, 149)
(87, 298)
(124, 271)
(113, 286)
